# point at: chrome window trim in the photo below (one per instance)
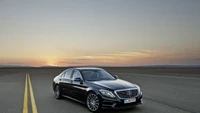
(126, 90)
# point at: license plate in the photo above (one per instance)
(129, 100)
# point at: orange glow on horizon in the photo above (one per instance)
(146, 57)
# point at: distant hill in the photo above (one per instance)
(169, 66)
(14, 66)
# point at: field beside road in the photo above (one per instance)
(165, 90)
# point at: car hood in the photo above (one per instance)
(114, 84)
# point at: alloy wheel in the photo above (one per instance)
(93, 102)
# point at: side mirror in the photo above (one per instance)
(77, 80)
(116, 76)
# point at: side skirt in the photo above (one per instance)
(73, 99)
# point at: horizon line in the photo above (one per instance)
(48, 66)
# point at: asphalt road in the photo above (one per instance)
(162, 93)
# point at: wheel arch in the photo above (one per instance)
(54, 85)
(93, 91)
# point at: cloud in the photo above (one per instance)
(119, 58)
(130, 58)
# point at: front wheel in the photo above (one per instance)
(93, 102)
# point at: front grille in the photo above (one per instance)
(130, 93)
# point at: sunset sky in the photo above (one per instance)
(99, 32)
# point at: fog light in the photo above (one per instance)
(114, 104)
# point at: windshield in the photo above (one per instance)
(96, 75)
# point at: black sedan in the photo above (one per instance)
(96, 88)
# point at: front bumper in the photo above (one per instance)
(108, 103)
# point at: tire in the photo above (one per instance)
(93, 102)
(57, 92)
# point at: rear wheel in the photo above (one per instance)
(57, 92)
(93, 102)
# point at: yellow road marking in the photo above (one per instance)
(25, 107)
(33, 104)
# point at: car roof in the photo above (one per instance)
(88, 68)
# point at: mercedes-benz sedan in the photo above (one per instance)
(96, 88)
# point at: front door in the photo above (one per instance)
(78, 88)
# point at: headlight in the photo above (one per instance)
(138, 88)
(107, 93)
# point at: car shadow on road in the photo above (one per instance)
(130, 110)
(83, 106)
